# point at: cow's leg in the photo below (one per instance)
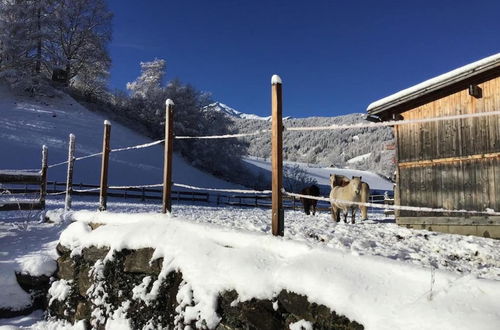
(335, 214)
(306, 206)
(313, 205)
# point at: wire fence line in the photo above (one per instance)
(85, 190)
(238, 191)
(140, 146)
(394, 122)
(57, 193)
(225, 136)
(391, 207)
(292, 129)
(156, 185)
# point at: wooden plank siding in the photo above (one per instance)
(469, 185)
(452, 164)
(453, 138)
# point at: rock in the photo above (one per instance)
(84, 280)
(9, 313)
(82, 311)
(30, 283)
(94, 225)
(65, 268)
(321, 316)
(62, 250)
(138, 262)
(36, 286)
(253, 314)
(296, 304)
(92, 254)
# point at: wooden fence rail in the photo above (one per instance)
(16, 178)
(138, 193)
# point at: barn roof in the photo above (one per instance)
(437, 87)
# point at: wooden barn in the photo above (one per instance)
(450, 164)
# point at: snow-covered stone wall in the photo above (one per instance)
(127, 288)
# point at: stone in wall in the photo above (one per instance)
(139, 261)
(290, 308)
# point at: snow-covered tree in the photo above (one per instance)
(150, 81)
(18, 34)
(147, 106)
(38, 36)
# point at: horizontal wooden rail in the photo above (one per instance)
(449, 160)
(21, 206)
(18, 178)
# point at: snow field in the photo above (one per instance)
(314, 251)
(359, 270)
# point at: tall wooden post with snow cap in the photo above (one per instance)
(167, 165)
(278, 216)
(69, 176)
(104, 166)
(43, 172)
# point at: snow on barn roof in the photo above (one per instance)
(435, 84)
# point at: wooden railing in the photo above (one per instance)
(143, 194)
(11, 179)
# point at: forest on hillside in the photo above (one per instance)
(327, 147)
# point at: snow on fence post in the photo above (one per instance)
(43, 173)
(104, 166)
(69, 176)
(167, 165)
(278, 216)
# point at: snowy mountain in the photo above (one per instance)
(227, 110)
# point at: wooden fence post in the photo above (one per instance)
(43, 184)
(69, 176)
(104, 166)
(278, 216)
(167, 164)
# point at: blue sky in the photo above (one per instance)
(335, 57)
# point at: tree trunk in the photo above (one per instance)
(39, 42)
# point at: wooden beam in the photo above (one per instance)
(69, 176)
(21, 178)
(43, 183)
(277, 157)
(167, 163)
(104, 166)
(21, 206)
(449, 160)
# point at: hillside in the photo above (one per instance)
(363, 149)
(29, 122)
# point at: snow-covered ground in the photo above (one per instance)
(322, 174)
(359, 158)
(376, 272)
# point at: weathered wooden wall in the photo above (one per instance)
(451, 164)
